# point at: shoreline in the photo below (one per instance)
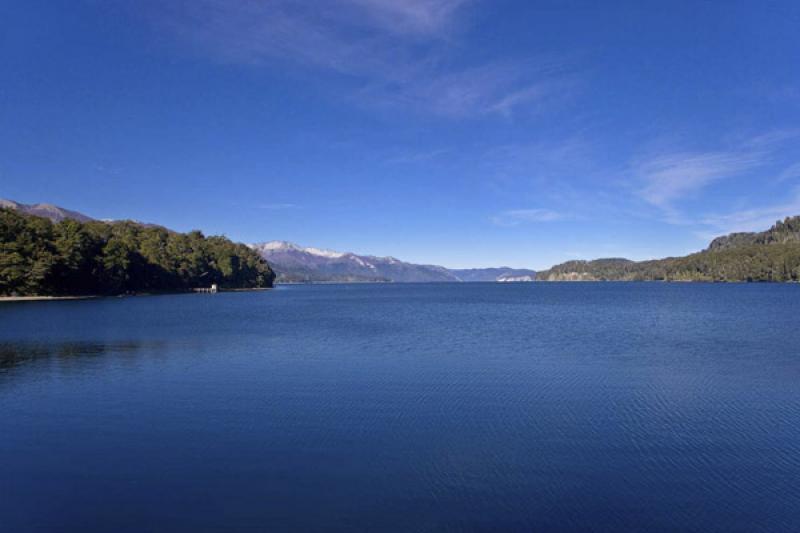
(95, 296)
(44, 298)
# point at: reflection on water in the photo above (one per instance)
(13, 355)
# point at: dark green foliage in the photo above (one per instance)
(787, 231)
(38, 257)
(773, 255)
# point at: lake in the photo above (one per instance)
(457, 407)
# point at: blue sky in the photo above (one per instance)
(455, 132)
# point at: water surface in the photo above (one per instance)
(462, 407)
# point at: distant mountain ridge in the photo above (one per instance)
(56, 214)
(49, 211)
(501, 274)
(294, 263)
(771, 255)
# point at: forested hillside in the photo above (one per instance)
(772, 255)
(39, 257)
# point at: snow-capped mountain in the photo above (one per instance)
(295, 263)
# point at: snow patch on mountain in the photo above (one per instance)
(324, 253)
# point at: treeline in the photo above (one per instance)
(783, 232)
(773, 255)
(38, 257)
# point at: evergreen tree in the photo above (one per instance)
(38, 257)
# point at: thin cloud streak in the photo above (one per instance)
(754, 219)
(671, 177)
(411, 16)
(515, 217)
(792, 172)
(417, 157)
(497, 88)
(396, 49)
(278, 206)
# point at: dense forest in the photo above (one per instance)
(772, 255)
(39, 257)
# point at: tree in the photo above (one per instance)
(39, 258)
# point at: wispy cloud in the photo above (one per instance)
(398, 51)
(771, 140)
(278, 206)
(417, 157)
(524, 95)
(557, 162)
(791, 172)
(415, 16)
(515, 217)
(108, 170)
(340, 35)
(753, 219)
(666, 178)
(501, 88)
(568, 175)
(670, 177)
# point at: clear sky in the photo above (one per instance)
(456, 132)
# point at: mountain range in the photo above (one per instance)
(56, 214)
(293, 263)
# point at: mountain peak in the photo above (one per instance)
(49, 211)
(286, 246)
(276, 245)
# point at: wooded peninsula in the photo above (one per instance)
(70, 258)
(772, 255)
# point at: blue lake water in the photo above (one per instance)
(456, 407)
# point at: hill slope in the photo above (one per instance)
(42, 258)
(48, 211)
(772, 255)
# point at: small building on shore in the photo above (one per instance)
(210, 290)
